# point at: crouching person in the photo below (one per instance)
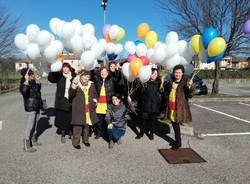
(115, 118)
(84, 100)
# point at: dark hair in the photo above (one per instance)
(179, 67)
(117, 95)
(112, 62)
(102, 68)
(154, 69)
(67, 65)
(84, 72)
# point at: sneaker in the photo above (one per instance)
(138, 136)
(87, 144)
(111, 144)
(77, 147)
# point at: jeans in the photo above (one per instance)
(31, 124)
(100, 125)
(115, 133)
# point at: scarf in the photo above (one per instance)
(85, 90)
(102, 101)
(67, 85)
(172, 103)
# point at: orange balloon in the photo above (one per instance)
(107, 37)
(60, 58)
(135, 66)
(142, 30)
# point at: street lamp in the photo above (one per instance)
(104, 5)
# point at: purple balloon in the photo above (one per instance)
(105, 28)
(246, 27)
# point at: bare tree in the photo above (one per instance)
(7, 32)
(189, 17)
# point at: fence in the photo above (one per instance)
(9, 80)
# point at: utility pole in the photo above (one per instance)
(104, 5)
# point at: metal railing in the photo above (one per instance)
(9, 81)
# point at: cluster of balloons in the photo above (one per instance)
(36, 43)
(169, 54)
(113, 33)
(246, 27)
(72, 37)
(209, 46)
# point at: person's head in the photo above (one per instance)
(178, 72)
(31, 75)
(84, 77)
(116, 99)
(104, 72)
(154, 74)
(66, 68)
(112, 66)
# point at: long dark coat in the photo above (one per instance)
(62, 104)
(183, 113)
(150, 97)
(78, 105)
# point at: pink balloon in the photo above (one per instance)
(105, 28)
(131, 57)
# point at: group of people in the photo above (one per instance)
(98, 102)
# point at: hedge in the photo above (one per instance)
(225, 74)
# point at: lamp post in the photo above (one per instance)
(104, 5)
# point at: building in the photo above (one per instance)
(19, 65)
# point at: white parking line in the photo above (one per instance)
(223, 134)
(1, 125)
(244, 104)
(225, 114)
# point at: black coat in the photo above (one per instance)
(108, 84)
(61, 102)
(31, 95)
(150, 97)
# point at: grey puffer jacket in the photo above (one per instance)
(116, 116)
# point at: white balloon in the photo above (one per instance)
(56, 67)
(68, 30)
(88, 59)
(67, 44)
(77, 26)
(58, 44)
(182, 44)
(189, 69)
(33, 51)
(88, 40)
(172, 36)
(118, 48)
(110, 48)
(59, 27)
(43, 38)
(159, 55)
(183, 61)
(103, 43)
(203, 56)
(98, 49)
(173, 61)
(32, 31)
(159, 44)
(130, 47)
(51, 52)
(171, 49)
(88, 29)
(127, 72)
(77, 45)
(52, 24)
(145, 73)
(141, 49)
(188, 54)
(21, 41)
(150, 53)
(114, 31)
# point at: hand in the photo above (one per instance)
(76, 80)
(190, 83)
(129, 100)
(110, 126)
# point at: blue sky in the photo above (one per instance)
(125, 13)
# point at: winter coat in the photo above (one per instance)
(150, 96)
(183, 113)
(78, 105)
(108, 84)
(61, 102)
(31, 93)
(116, 116)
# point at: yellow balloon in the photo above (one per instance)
(121, 35)
(135, 66)
(142, 30)
(196, 43)
(151, 38)
(216, 46)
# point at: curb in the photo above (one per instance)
(221, 99)
(9, 90)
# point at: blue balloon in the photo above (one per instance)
(137, 42)
(208, 35)
(215, 58)
(112, 57)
